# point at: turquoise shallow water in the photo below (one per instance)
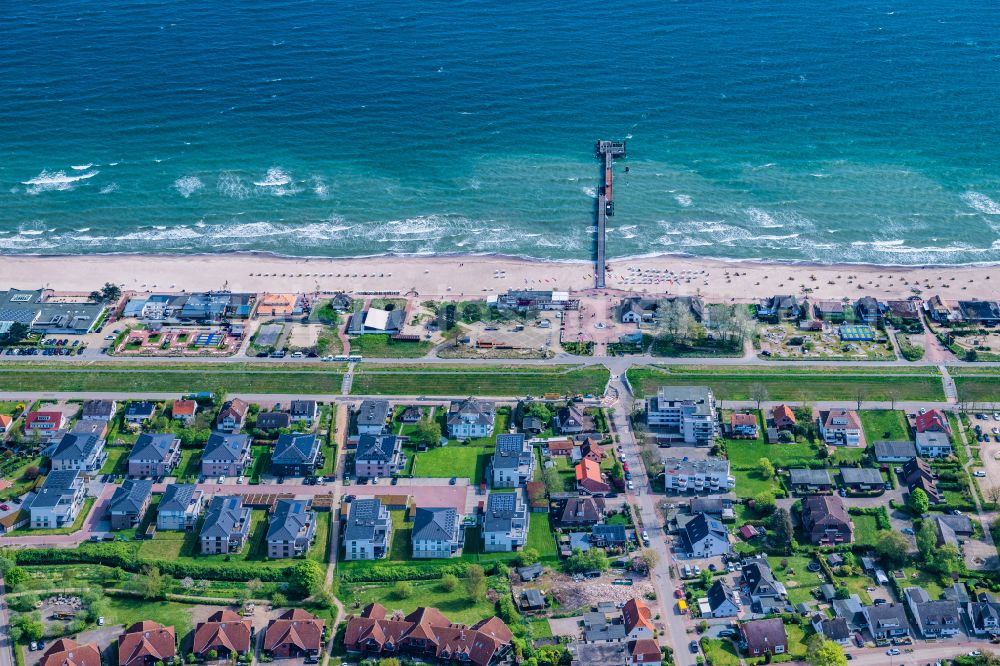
(837, 131)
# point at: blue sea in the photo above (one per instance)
(835, 131)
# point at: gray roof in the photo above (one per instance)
(228, 448)
(27, 307)
(610, 533)
(143, 408)
(895, 450)
(470, 409)
(177, 497)
(273, 420)
(810, 477)
(295, 449)
(932, 439)
(718, 594)
(74, 446)
(288, 520)
(705, 466)
(302, 407)
(699, 396)
(434, 524)
(836, 629)
(362, 518)
(224, 513)
(887, 615)
(710, 505)
(130, 496)
(376, 447)
(58, 485)
(864, 475)
(99, 408)
(850, 609)
(373, 412)
(153, 447)
(501, 508)
(533, 597)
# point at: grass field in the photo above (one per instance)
(524, 381)
(168, 380)
(454, 604)
(128, 611)
(974, 387)
(189, 468)
(461, 460)
(720, 652)
(884, 424)
(798, 580)
(20, 484)
(88, 505)
(736, 382)
(117, 460)
(866, 532)
(382, 346)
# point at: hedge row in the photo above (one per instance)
(391, 574)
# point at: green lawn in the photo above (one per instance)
(189, 468)
(20, 484)
(261, 462)
(383, 346)
(736, 382)
(127, 611)
(977, 387)
(866, 532)
(461, 460)
(798, 580)
(169, 380)
(500, 382)
(455, 604)
(746, 453)
(77, 525)
(117, 461)
(884, 424)
(320, 550)
(750, 483)
(720, 652)
(168, 545)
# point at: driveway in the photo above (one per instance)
(566, 626)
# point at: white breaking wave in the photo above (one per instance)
(762, 218)
(981, 203)
(109, 188)
(589, 191)
(82, 167)
(188, 185)
(684, 200)
(275, 177)
(232, 186)
(48, 181)
(319, 188)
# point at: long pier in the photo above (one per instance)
(607, 151)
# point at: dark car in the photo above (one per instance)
(693, 646)
(452, 481)
(348, 499)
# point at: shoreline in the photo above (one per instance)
(477, 275)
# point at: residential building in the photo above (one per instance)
(98, 429)
(832, 629)
(99, 410)
(825, 521)
(378, 455)
(638, 618)
(513, 461)
(601, 626)
(184, 410)
(296, 455)
(291, 529)
(608, 536)
(376, 320)
(45, 424)
(226, 527)
(67, 652)
(704, 537)
(918, 474)
(887, 621)
(78, 451)
(129, 503)
(716, 507)
(933, 444)
(868, 310)
(154, 455)
(851, 610)
(983, 617)
(778, 307)
(6, 420)
(934, 619)
(226, 455)
(761, 586)
(783, 417)
(180, 507)
(683, 414)
(710, 475)
(906, 310)
(59, 501)
(952, 530)
(368, 531)
(810, 480)
(580, 511)
(43, 312)
(226, 633)
(232, 416)
(523, 300)
(138, 412)
(304, 411)
(592, 450)
(572, 420)
(412, 414)
(833, 311)
(210, 307)
(862, 479)
(743, 426)
(293, 634)
(372, 416)
(840, 427)
(722, 600)
(635, 310)
(426, 634)
(278, 305)
(760, 637)
(505, 522)
(559, 447)
(589, 478)
(271, 421)
(147, 643)
(984, 313)
(643, 652)
(932, 420)
(471, 418)
(895, 451)
(437, 532)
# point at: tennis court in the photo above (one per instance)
(857, 333)
(208, 339)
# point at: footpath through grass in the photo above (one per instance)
(796, 383)
(501, 381)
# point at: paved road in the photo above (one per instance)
(676, 633)
(923, 653)
(7, 647)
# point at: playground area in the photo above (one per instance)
(848, 342)
(181, 341)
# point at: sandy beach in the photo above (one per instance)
(476, 276)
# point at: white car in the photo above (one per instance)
(240, 480)
(980, 473)
(100, 621)
(892, 652)
(222, 479)
(975, 653)
(631, 486)
(697, 570)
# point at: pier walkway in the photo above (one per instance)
(607, 151)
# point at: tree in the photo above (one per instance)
(824, 653)
(927, 542)
(149, 584)
(765, 468)
(527, 557)
(758, 393)
(781, 530)
(553, 481)
(764, 504)
(426, 433)
(15, 333)
(649, 558)
(892, 548)
(403, 589)
(278, 599)
(306, 577)
(581, 562)
(449, 582)
(539, 410)
(30, 626)
(918, 502)
(475, 582)
(706, 578)
(994, 494)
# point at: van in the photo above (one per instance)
(686, 571)
(682, 606)
(297, 355)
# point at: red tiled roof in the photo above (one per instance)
(644, 650)
(932, 421)
(742, 420)
(637, 614)
(184, 408)
(67, 652)
(296, 627)
(223, 630)
(145, 641)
